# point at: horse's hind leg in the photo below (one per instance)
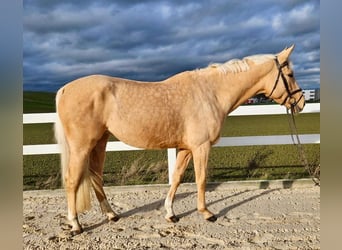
(183, 158)
(97, 158)
(75, 178)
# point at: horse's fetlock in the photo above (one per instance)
(202, 210)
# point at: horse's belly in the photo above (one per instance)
(149, 136)
(147, 142)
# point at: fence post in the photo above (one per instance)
(171, 161)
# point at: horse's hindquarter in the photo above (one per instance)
(81, 108)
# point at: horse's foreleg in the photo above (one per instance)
(201, 155)
(97, 158)
(182, 161)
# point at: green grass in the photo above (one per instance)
(38, 102)
(150, 166)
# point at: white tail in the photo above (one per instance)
(83, 199)
(61, 140)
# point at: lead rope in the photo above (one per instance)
(312, 172)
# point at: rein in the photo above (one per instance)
(291, 120)
(301, 153)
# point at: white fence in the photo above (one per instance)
(171, 153)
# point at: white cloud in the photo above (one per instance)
(255, 22)
(299, 20)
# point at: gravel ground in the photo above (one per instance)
(272, 217)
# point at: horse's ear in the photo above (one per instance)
(291, 48)
(285, 54)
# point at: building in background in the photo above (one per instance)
(311, 95)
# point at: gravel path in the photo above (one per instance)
(248, 218)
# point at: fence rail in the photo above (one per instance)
(240, 111)
(171, 153)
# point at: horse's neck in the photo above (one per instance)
(235, 89)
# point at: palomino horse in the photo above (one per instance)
(185, 111)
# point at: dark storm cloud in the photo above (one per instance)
(152, 40)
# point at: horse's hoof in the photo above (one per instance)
(65, 226)
(76, 232)
(212, 218)
(172, 219)
(115, 218)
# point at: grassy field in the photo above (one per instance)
(38, 102)
(150, 166)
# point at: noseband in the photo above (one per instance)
(289, 93)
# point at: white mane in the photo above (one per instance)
(240, 65)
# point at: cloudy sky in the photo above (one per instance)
(154, 39)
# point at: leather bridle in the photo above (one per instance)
(286, 84)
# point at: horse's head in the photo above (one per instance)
(284, 89)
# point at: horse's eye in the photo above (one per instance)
(290, 75)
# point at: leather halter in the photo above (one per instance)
(286, 84)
